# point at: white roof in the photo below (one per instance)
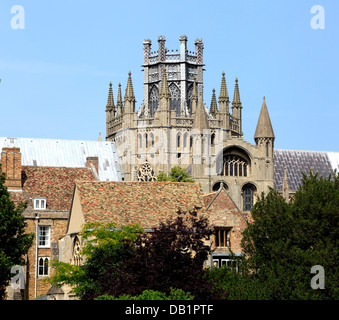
(67, 153)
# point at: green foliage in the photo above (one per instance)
(101, 243)
(177, 174)
(14, 242)
(283, 244)
(175, 294)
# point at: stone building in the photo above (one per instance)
(174, 127)
(42, 173)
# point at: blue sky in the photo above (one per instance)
(55, 72)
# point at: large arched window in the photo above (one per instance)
(234, 166)
(175, 97)
(146, 172)
(153, 100)
(248, 194)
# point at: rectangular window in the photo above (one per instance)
(44, 234)
(39, 204)
(43, 264)
(222, 237)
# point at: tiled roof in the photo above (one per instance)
(146, 203)
(68, 153)
(53, 183)
(298, 162)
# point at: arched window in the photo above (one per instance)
(175, 97)
(234, 166)
(140, 141)
(153, 100)
(146, 140)
(151, 138)
(146, 172)
(267, 149)
(178, 140)
(248, 193)
(213, 139)
(220, 184)
(77, 251)
(185, 139)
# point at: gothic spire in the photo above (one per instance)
(223, 97)
(164, 91)
(264, 127)
(200, 117)
(214, 107)
(236, 96)
(110, 101)
(129, 95)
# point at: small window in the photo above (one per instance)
(44, 235)
(39, 204)
(43, 266)
(222, 237)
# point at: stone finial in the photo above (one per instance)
(129, 95)
(236, 96)
(110, 100)
(264, 127)
(119, 102)
(223, 97)
(99, 139)
(214, 107)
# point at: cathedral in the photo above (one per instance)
(174, 127)
(67, 183)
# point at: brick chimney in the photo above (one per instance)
(11, 166)
(94, 161)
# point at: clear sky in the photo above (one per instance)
(55, 72)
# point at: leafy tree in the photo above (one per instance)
(172, 256)
(283, 244)
(104, 245)
(177, 174)
(14, 242)
(175, 294)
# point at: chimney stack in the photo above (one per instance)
(11, 166)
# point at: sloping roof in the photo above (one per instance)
(56, 184)
(146, 203)
(68, 153)
(298, 162)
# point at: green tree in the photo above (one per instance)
(177, 174)
(14, 242)
(285, 242)
(104, 245)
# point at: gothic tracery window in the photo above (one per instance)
(234, 165)
(175, 97)
(153, 100)
(248, 193)
(77, 252)
(146, 172)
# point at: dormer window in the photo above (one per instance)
(39, 203)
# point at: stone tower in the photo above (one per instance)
(173, 126)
